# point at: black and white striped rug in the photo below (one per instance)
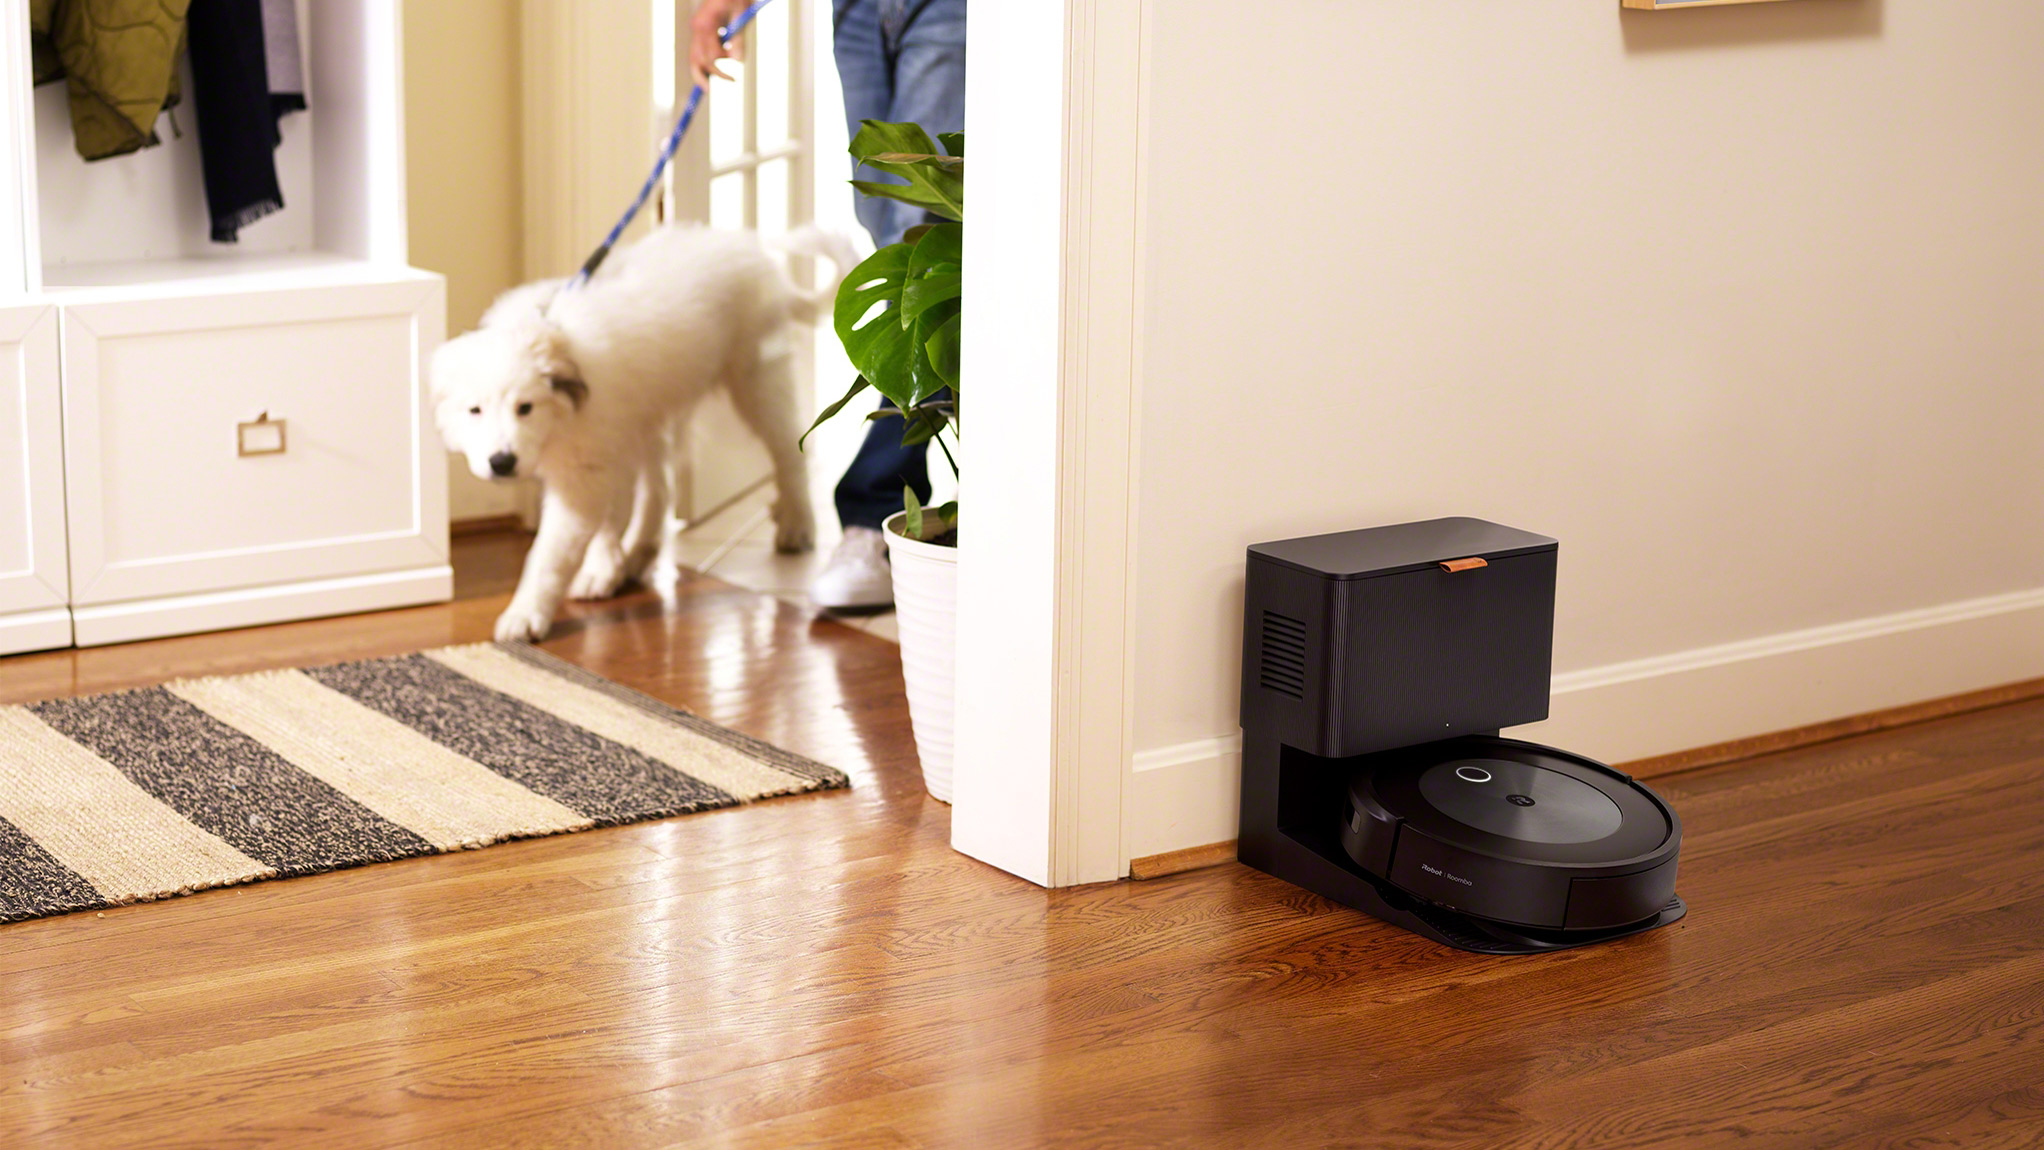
(111, 799)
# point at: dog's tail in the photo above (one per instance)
(806, 306)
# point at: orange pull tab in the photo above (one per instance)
(1469, 564)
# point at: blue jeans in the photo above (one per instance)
(902, 61)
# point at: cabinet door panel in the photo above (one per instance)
(33, 572)
(169, 497)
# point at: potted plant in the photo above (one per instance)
(897, 314)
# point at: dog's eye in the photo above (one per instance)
(525, 409)
(475, 411)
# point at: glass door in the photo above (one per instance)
(749, 162)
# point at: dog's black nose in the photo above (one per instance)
(503, 464)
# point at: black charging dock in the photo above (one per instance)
(1378, 668)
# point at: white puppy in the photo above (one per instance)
(585, 389)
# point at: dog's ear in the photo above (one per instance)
(573, 388)
(550, 348)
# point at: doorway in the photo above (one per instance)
(1050, 331)
(769, 154)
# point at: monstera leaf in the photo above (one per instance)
(858, 385)
(941, 349)
(935, 271)
(930, 303)
(936, 182)
(869, 324)
(891, 308)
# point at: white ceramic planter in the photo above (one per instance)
(926, 607)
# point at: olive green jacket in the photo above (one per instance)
(119, 61)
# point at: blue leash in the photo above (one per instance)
(688, 113)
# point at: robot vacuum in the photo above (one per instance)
(1514, 833)
(1378, 668)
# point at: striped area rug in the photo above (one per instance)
(111, 799)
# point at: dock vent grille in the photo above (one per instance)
(1284, 655)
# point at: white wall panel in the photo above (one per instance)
(33, 574)
(1741, 304)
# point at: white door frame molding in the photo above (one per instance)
(1045, 691)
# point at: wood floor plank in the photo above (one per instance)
(1863, 964)
(2010, 1120)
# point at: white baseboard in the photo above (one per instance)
(1779, 682)
(1186, 795)
(254, 606)
(1183, 796)
(35, 631)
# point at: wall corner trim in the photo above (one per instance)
(1045, 696)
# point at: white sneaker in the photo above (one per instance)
(858, 574)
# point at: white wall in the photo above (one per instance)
(463, 170)
(1745, 305)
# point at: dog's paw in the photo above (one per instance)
(522, 625)
(794, 532)
(598, 579)
(639, 563)
(794, 540)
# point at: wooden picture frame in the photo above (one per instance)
(1665, 5)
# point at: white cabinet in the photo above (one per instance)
(34, 578)
(196, 436)
(245, 457)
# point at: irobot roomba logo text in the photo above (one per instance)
(1431, 869)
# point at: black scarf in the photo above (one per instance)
(237, 121)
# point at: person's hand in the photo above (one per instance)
(704, 49)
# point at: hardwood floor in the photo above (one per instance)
(1862, 966)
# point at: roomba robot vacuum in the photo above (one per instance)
(1378, 669)
(1515, 833)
